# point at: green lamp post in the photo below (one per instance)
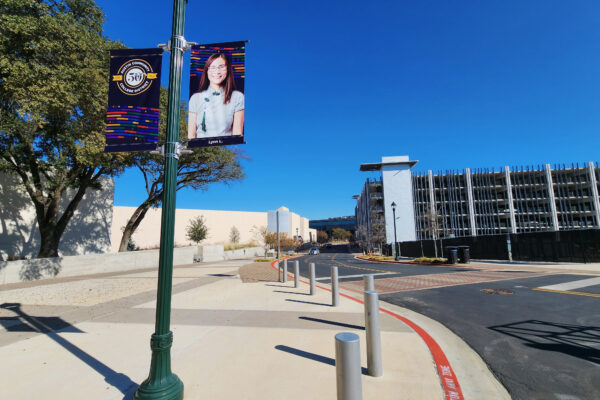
(161, 382)
(396, 250)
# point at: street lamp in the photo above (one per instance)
(395, 239)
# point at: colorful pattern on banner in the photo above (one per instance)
(216, 107)
(133, 100)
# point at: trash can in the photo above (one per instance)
(464, 254)
(452, 254)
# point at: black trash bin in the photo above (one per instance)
(464, 254)
(452, 254)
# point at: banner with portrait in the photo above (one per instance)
(133, 100)
(216, 106)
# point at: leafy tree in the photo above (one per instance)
(53, 96)
(197, 170)
(197, 230)
(322, 237)
(341, 234)
(234, 235)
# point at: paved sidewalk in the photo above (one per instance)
(238, 334)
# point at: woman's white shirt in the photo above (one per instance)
(218, 117)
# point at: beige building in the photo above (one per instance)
(219, 225)
(97, 223)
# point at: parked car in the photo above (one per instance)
(328, 246)
(313, 250)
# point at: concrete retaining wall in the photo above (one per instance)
(28, 270)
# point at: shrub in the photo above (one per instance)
(430, 260)
(197, 230)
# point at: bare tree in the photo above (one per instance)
(432, 225)
(234, 235)
(377, 233)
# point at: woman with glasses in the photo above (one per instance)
(217, 109)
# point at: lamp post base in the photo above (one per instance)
(161, 384)
(170, 388)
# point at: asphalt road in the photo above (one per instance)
(540, 345)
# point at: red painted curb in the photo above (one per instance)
(447, 376)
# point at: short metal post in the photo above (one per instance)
(284, 271)
(347, 366)
(369, 282)
(335, 288)
(373, 334)
(296, 274)
(311, 271)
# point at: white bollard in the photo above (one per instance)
(347, 366)
(335, 287)
(373, 333)
(369, 282)
(311, 271)
(296, 274)
(284, 271)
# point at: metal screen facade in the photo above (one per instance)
(513, 200)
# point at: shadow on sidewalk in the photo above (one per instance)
(283, 291)
(309, 302)
(312, 356)
(47, 326)
(325, 321)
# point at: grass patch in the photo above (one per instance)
(238, 246)
(430, 260)
(264, 259)
(380, 258)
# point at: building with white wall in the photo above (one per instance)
(374, 204)
(88, 231)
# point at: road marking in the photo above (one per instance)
(568, 292)
(363, 268)
(567, 286)
(354, 276)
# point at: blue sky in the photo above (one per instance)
(332, 84)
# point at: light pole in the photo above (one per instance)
(161, 382)
(396, 251)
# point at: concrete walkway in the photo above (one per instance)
(238, 334)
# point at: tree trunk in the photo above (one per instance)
(134, 221)
(50, 242)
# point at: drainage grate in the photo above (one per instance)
(497, 291)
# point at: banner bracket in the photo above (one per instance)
(185, 45)
(180, 148)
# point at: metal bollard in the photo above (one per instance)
(369, 282)
(284, 271)
(311, 271)
(347, 366)
(373, 333)
(335, 287)
(296, 274)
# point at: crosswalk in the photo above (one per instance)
(571, 286)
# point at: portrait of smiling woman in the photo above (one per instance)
(217, 109)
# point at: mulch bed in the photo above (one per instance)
(258, 272)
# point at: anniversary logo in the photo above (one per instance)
(216, 107)
(133, 100)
